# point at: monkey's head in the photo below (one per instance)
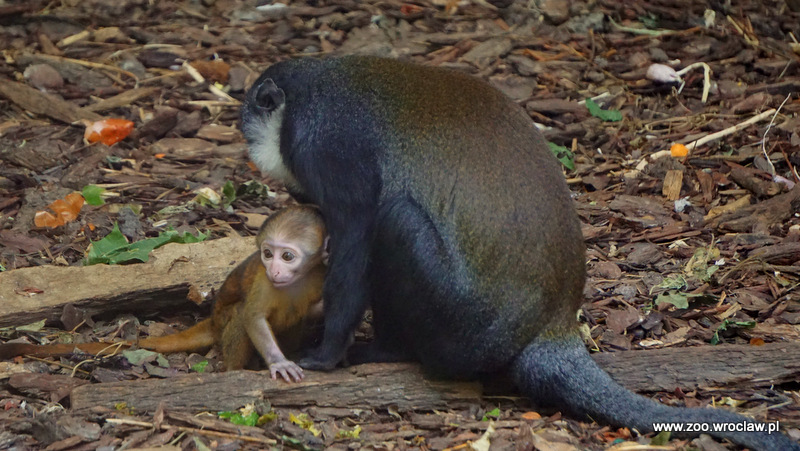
(262, 119)
(292, 242)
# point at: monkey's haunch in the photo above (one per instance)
(450, 216)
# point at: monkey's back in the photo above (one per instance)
(491, 195)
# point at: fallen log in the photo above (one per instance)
(370, 386)
(174, 274)
(403, 386)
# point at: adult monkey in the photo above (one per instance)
(448, 213)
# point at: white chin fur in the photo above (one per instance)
(264, 135)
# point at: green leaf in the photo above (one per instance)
(93, 194)
(255, 188)
(673, 282)
(200, 367)
(661, 439)
(139, 356)
(115, 249)
(99, 251)
(228, 194)
(733, 325)
(494, 413)
(187, 238)
(679, 300)
(605, 115)
(564, 155)
(32, 327)
(341, 433)
(304, 421)
(237, 418)
(162, 361)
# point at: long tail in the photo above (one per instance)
(195, 338)
(560, 373)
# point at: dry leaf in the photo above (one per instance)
(531, 416)
(66, 210)
(107, 131)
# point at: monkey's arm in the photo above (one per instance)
(264, 341)
(345, 286)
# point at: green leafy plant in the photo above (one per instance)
(494, 413)
(564, 155)
(142, 356)
(605, 115)
(228, 194)
(702, 264)
(200, 367)
(250, 419)
(93, 194)
(682, 300)
(254, 188)
(733, 325)
(661, 439)
(304, 421)
(672, 282)
(115, 249)
(353, 434)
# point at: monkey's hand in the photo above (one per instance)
(287, 369)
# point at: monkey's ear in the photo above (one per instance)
(268, 96)
(325, 250)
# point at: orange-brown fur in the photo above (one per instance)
(246, 293)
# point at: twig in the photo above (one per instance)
(639, 30)
(730, 130)
(118, 345)
(706, 77)
(708, 138)
(146, 424)
(198, 77)
(53, 362)
(764, 138)
(89, 64)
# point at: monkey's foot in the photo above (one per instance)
(288, 370)
(319, 360)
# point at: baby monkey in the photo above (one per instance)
(269, 293)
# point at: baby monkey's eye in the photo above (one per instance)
(267, 253)
(287, 256)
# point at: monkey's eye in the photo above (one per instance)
(267, 253)
(287, 256)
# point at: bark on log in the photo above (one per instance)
(704, 366)
(174, 273)
(404, 387)
(370, 386)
